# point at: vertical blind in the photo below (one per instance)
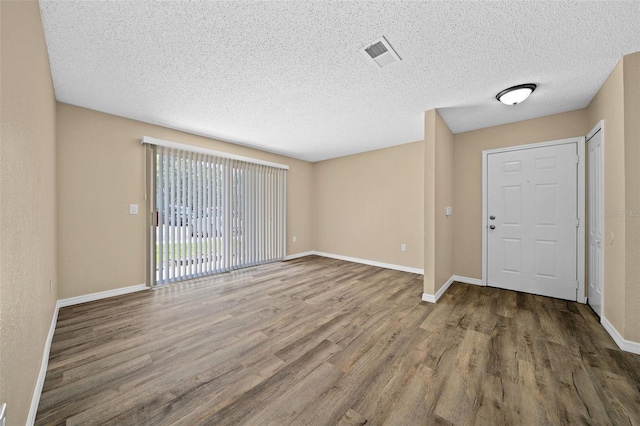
(214, 214)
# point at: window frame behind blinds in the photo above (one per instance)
(242, 177)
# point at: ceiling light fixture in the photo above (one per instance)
(516, 94)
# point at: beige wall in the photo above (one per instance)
(367, 205)
(429, 232)
(467, 186)
(27, 209)
(618, 104)
(438, 194)
(443, 198)
(632, 195)
(101, 171)
(608, 105)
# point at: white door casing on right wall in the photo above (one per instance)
(532, 219)
(595, 144)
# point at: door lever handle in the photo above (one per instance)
(492, 227)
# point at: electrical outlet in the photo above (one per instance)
(295, 239)
(133, 209)
(403, 247)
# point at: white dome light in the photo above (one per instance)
(516, 94)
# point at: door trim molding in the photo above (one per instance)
(580, 261)
(599, 128)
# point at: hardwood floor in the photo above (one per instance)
(317, 341)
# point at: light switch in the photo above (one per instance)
(448, 211)
(133, 209)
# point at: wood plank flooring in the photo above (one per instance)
(317, 341)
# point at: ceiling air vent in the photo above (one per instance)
(381, 52)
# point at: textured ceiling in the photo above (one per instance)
(289, 77)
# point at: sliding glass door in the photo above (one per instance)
(213, 214)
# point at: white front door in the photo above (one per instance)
(532, 214)
(596, 220)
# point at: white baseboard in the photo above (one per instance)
(35, 399)
(298, 255)
(101, 295)
(428, 298)
(444, 288)
(467, 280)
(371, 262)
(357, 260)
(434, 298)
(625, 345)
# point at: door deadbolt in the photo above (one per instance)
(492, 217)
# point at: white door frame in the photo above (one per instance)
(580, 261)
(600, 127)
